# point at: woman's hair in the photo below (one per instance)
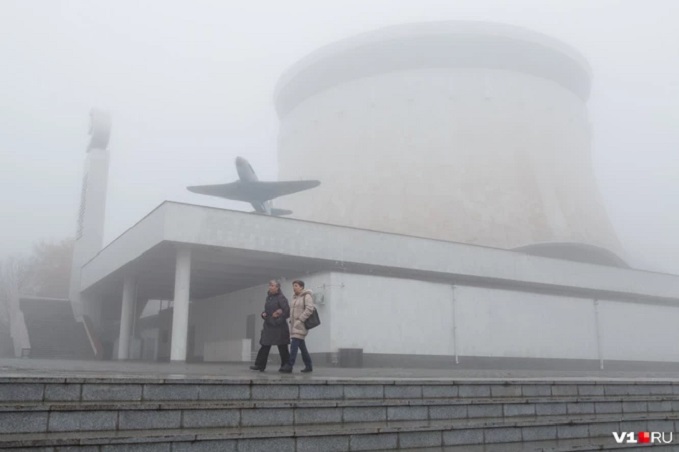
(299, 282)
(276, 282)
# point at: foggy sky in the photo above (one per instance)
(189, 85)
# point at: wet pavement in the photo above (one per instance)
(44, 368)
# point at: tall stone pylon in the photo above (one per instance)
(89, 237)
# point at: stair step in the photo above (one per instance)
(263, 389)
(417, 433)
(68, 395)
(559, 445)
(310, 414)
(508, 406)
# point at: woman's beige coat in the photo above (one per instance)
(301, 308)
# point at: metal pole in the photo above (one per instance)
(457, 358)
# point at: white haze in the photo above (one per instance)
(189, 85)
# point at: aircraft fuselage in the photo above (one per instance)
(245, 171)
(247, 174)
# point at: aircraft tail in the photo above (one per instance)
(280, 212)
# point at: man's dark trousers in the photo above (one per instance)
(263, 355)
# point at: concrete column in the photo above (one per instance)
(180, 315)
(454, 320)
(599, 339)
(126, 318)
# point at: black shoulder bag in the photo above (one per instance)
(314, 320)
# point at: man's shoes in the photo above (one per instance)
(306, 370)
(261, 369)
(287, 369)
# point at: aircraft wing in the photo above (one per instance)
(254, 191)
(234, 190)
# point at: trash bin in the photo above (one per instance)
(351, 357)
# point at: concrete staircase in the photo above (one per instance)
(53, 330)
(313, 414)
(6, 342)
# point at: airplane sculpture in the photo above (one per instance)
(250, 189)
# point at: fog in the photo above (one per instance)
(190, 86)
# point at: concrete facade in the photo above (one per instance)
(389, 316)
(430, 130)
(391, 295)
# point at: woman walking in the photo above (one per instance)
(300, 310)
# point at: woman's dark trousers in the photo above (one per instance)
(294, 345)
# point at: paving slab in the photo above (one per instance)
(111, 372)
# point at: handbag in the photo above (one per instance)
(313, 321)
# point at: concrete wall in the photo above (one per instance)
(225, 317)
(386, 315)
(639, 331)
(499, 158)
(390, 316)
(397, 316)
(502, 323)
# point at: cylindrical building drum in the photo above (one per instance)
(467, 132)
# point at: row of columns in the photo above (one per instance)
(180, 315)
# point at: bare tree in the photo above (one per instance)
(45, 273)
(14, 281)
(49, 269)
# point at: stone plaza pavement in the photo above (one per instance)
(41, 368)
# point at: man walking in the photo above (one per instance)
(275, 330)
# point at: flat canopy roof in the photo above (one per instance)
(232, 250)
